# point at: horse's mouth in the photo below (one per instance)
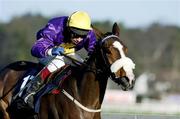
(124, 83)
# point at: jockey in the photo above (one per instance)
(61, 35)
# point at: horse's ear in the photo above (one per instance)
(116, 29)
(98, 33)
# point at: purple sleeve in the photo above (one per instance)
(47, 35)
(90, 44)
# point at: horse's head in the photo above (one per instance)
(115, 57)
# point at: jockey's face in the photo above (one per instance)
(75, 38)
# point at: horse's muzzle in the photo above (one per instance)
(124, 83)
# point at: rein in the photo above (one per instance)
(79, 104)
(72, 98)
(82, 63)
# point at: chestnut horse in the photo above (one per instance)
(83, 91)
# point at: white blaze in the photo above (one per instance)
(118, 45)
(125, 62)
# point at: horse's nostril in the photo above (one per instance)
(125, 83)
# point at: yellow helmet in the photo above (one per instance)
(80, 20)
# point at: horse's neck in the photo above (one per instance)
(92, 86)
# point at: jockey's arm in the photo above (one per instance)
(45, 42)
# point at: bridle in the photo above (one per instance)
(104, 55)
(124, 62)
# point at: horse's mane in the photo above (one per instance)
(98, 33)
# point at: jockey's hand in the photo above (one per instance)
(57, 51)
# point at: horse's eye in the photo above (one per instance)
(106, 50)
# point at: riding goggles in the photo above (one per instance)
(76, 33)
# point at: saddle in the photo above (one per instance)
(53, 85)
